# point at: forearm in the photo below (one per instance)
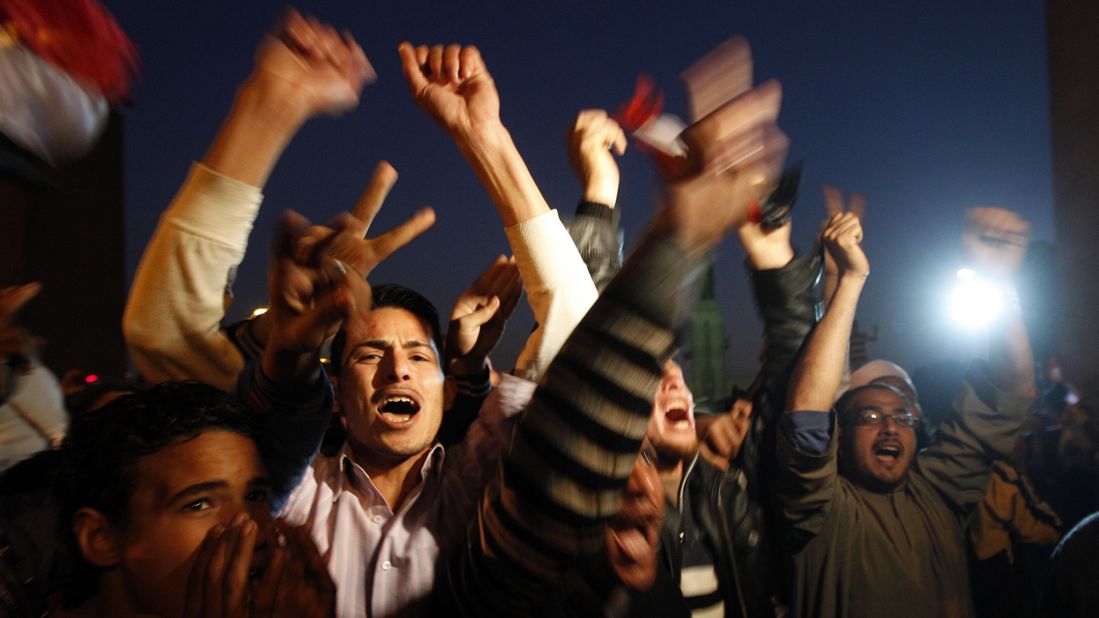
(818, 372)
(598, 239)
(291, 421)
(558, 286)
(602, 189)
(1010, 358)
(768, 256)
(261, 123)
(290, 369)
(788, 303)
(496, 161)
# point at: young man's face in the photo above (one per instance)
(877, 456)
(672, 425)
(181, 492)
(391, 387)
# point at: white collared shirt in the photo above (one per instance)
(383, 563)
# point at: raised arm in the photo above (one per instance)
(178, 299)
(817, 374)
(807, 443)
(997, 394)
(476, 324)
(592, 142)
(453, 86)
(573, 452)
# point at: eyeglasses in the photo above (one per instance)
(877, 416)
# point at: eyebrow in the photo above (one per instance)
(382, 344)
(200, 488)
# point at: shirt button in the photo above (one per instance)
(378, 519)
(753, 538)
(386, 565)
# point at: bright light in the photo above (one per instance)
(974, 302)
(91, 378)
(966, 274)
(258, 311)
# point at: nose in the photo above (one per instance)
(673, 385)
(890, 424)
(395, 366)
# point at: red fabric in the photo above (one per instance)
(646, 104)
(78, 36)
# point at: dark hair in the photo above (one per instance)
(103, 447)
(391, 295)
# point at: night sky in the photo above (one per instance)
(925, 108)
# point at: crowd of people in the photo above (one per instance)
(350, 452)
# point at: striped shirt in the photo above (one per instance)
(575, 447)
(383, 563)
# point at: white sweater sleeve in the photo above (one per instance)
(558, 287)
(173, 316)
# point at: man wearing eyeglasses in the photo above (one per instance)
(875, 528)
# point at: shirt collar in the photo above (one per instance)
(349, 475)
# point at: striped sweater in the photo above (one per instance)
(575, 446)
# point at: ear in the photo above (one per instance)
(450, 391)
(97, 537)
(335, 382)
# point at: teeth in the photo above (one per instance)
(682, 425)
(397, 418)
(676, 404)
(398, 400)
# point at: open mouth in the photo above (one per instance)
(677, 414)
(398, 409)
(633, 542)
(636, 531)
(888, 452)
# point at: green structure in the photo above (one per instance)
(709, 380)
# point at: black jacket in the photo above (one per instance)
(734, 507)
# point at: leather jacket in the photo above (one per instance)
(731, 508)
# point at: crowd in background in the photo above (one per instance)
(353, 452)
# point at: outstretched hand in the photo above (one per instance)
(591, 140)
(735, 154)
(349, 244)
(478, 318)
(452, 85)
(842, 237)
(310, 294)
(312, 66)
(996, 240)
